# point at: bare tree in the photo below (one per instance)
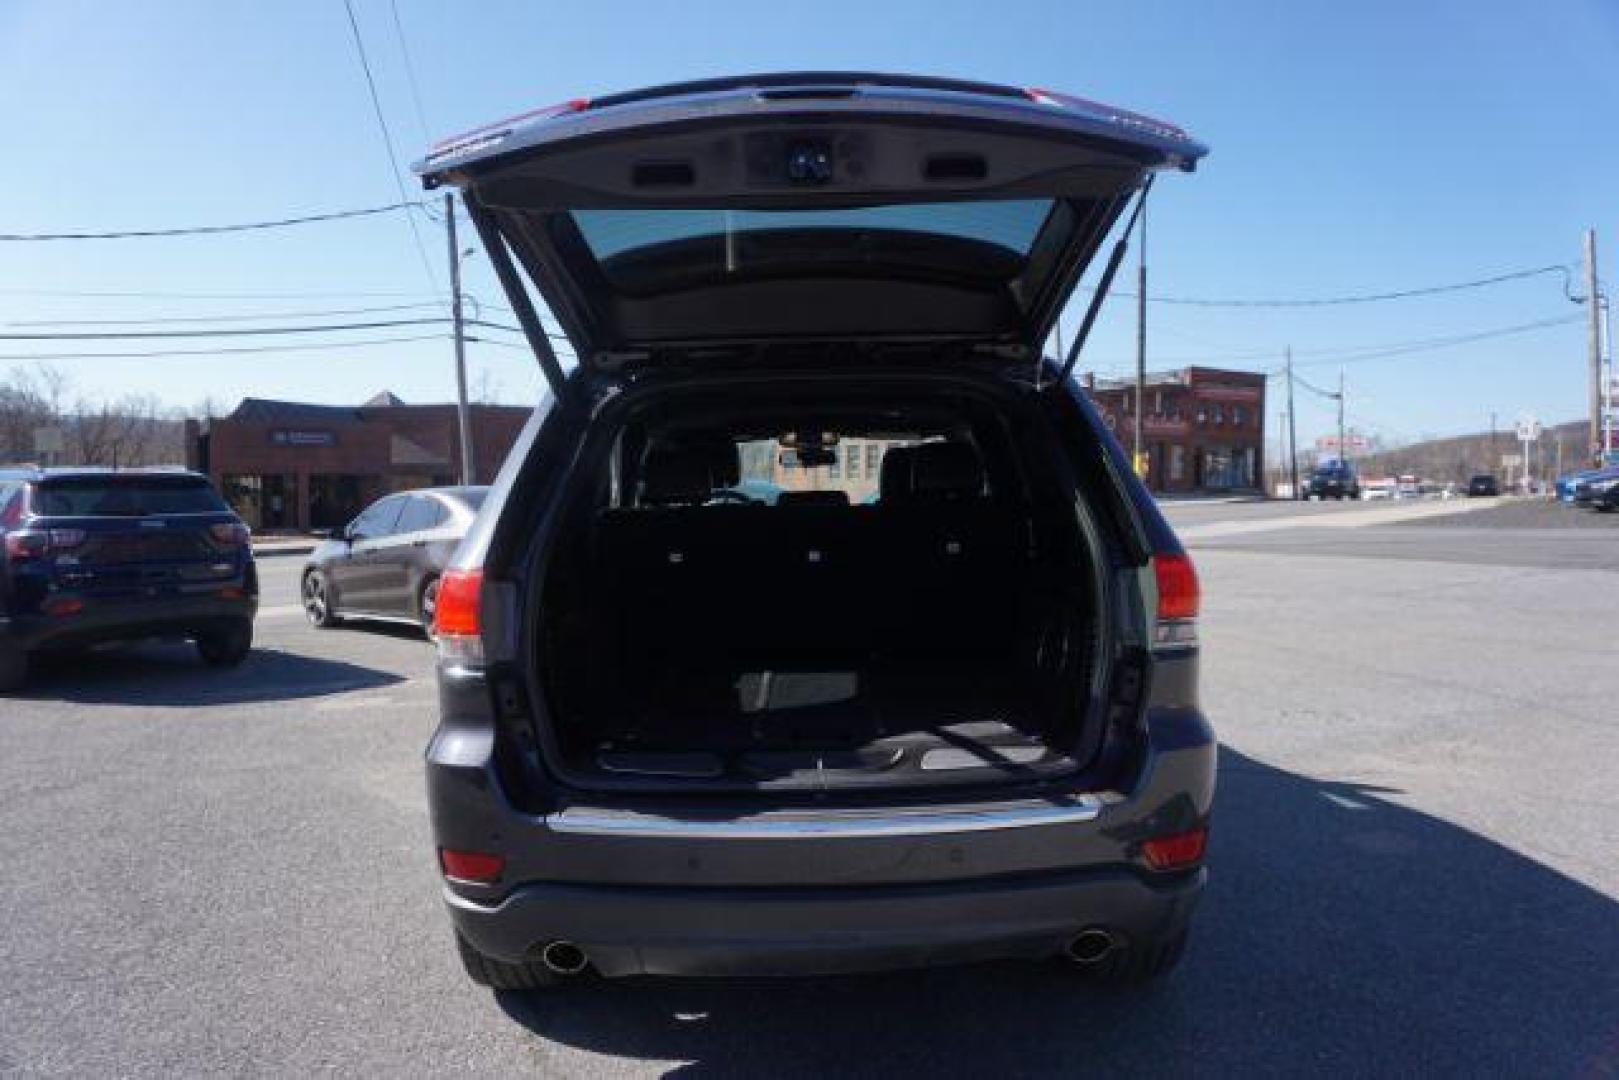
(29, 400)
(488, 389)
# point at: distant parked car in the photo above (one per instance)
(1605, 494)
(1409, 487)
(95, 555)
(1597, 484)
(385, 564)
(1335, 481)
(1377, 489)
(1566, 484)
(1483, 485)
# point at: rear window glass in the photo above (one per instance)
(852, 468)
(1011, 224)
(124, 497)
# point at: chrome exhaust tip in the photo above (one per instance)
(1091, 946)
(564, 958)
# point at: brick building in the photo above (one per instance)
(292, 465)
(1204, 428)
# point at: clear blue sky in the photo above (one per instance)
(1355, 147)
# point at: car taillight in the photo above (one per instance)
(230, 533)
(476, 866)
(37, 543)
(1178, 601)
(459, 617)
(27, 544)
(1177, 852)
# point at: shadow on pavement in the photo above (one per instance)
(172, 675)
(1340, 931)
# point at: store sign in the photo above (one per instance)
(296, 437)
(1328, 444)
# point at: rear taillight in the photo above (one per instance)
(1177, 852)
(479, 867)
(27, 544)
(1178, 601)
(37, 543)
(230, 533)
(459, 617)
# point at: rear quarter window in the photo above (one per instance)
(125, 498)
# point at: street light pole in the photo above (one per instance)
(1594, 342)
(463, 411)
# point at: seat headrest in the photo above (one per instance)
(894, 482)
(937, 470)
(833, 497)
(688, 471)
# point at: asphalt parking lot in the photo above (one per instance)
(1415, 858)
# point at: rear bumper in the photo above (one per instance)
(663, 931)
(715, 888)
(128, 620)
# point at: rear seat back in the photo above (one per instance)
(929, 569)
(951, 552)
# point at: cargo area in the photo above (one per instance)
(848, 590)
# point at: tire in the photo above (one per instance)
(228, 647)
(500, 975)
(1138, 962)
(315, 593)
(13, 669)
(427, 608)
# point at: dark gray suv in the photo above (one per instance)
(816, 622)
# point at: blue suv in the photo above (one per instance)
(92, 555)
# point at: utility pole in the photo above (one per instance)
(1292, 428)
(1343, 447)
(1138, 447)
(463, 412)
(1594, 334)
(1490, 456)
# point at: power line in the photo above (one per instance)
(209, 230)
(246, 331)
(158, 295)
(235, 317)
(514, 345)
(388, 141)
(1360, 298)
(231, 349)
(512, 329)
(1331, 395)
(410, 71)
(1431, 344)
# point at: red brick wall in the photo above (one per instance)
(361, 447)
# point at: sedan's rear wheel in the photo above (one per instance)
(317, 599)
